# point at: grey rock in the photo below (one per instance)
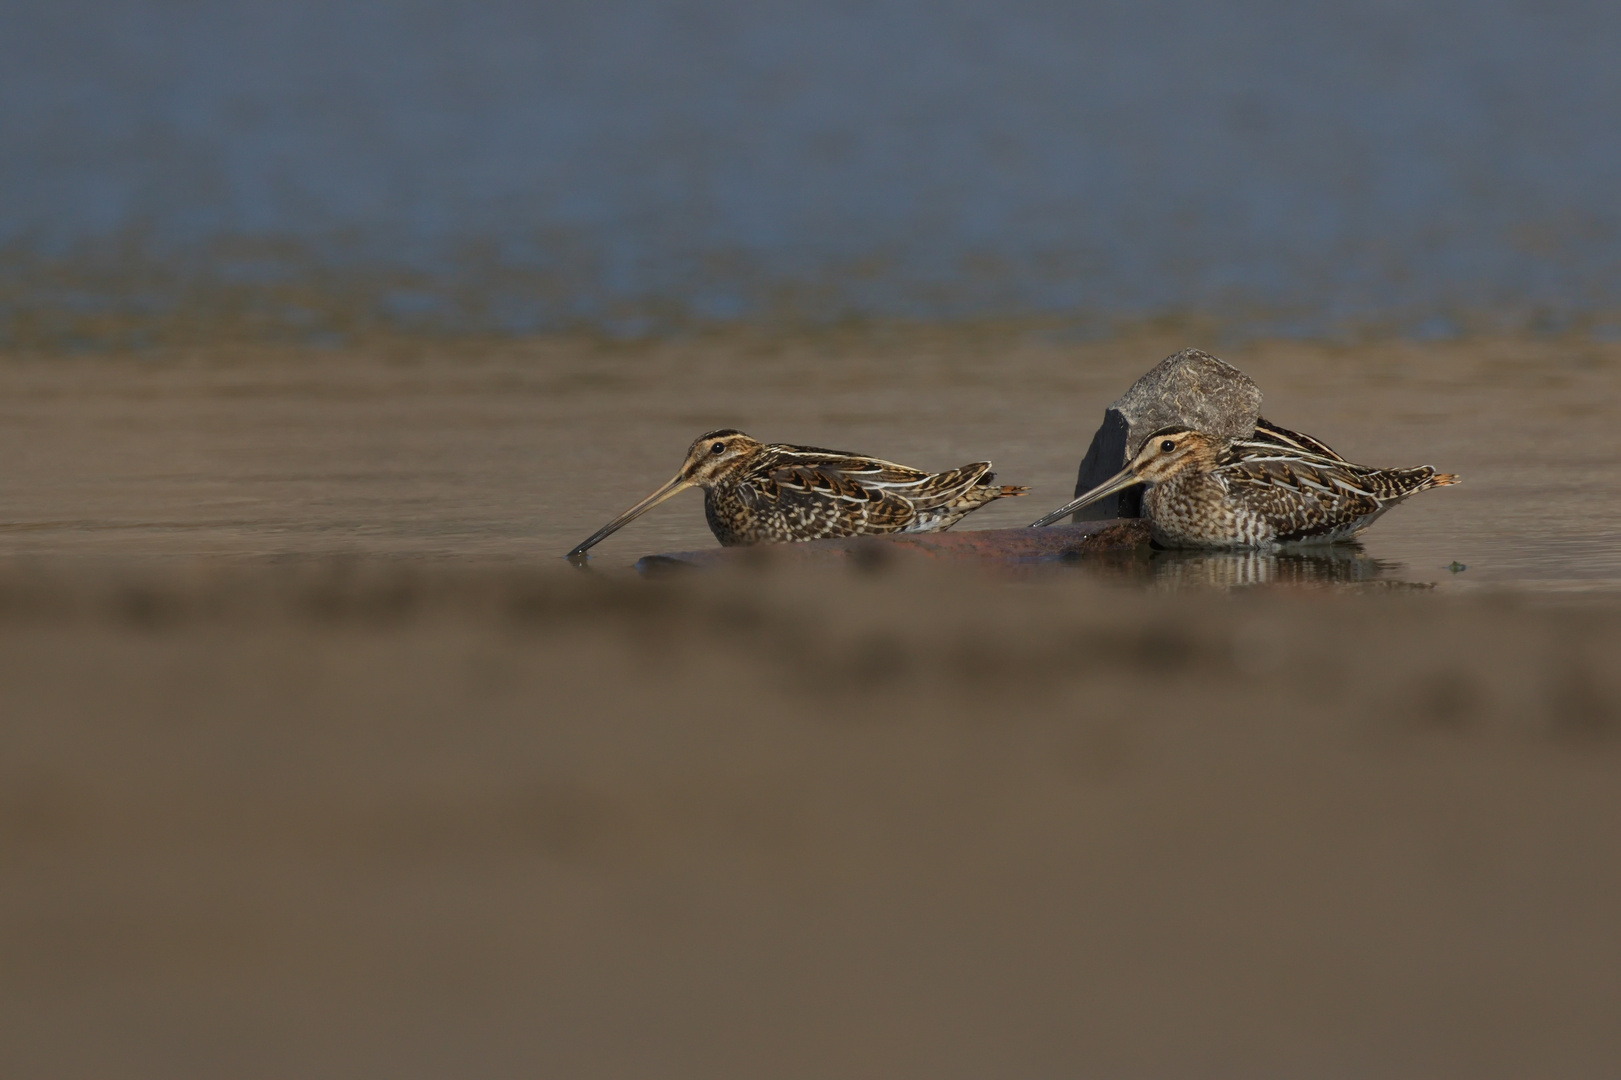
(1191, 388)
(1194, 389)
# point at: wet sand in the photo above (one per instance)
(316, 760)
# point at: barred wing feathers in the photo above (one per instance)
(1269, 436)
(830, 493)
(1310, 495)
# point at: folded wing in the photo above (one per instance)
(828, 494)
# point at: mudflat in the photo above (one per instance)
(316, 759)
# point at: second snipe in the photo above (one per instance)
(758, 492)
(1276, 487)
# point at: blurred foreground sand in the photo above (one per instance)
(358, 818)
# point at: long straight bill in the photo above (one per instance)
(1118, 482)
(674, 486)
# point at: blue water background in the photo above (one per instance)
(1296, 165)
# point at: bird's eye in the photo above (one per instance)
(717, 448)
(1167, 446)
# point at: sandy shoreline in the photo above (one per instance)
(382, 818)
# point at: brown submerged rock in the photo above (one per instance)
(1191, 388)
(987, 546)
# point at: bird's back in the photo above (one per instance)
(793, 493)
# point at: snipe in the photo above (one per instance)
(758, 492)
(1276, 487)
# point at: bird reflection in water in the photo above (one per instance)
(1337, 564)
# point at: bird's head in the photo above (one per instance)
(715, 455)
(1169, 452)
(1165, 454)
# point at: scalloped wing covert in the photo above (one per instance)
(1302, 497)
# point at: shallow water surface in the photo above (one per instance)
(519, 451)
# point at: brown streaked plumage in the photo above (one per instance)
(1276, 487)
(758, 492)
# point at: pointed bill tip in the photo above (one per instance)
(1063, 511)
(677, 484)
(1125, 478)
